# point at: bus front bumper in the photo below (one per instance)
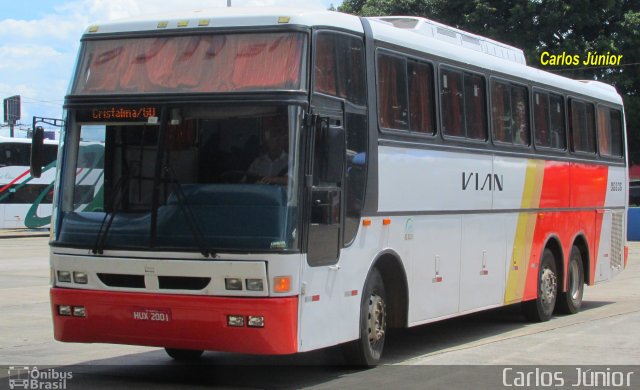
(175, 321)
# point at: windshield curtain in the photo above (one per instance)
(201, 63)
(197, 178)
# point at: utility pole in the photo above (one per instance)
(228, 3)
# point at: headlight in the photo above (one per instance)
(80, 277)
(64, 276)
(233, 283)
(255, 285)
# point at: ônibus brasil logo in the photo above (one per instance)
(34, 379)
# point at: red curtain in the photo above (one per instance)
(214, 63)
(391, 105)
(421, 98)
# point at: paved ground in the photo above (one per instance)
(606, 332)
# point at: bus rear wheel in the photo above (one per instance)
(367, 350)
(569, 302)
(541, 308)
(184, 354)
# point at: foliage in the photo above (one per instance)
(556, 26)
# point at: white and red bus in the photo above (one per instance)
(278, 181)
(25, 201)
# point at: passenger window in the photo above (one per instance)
(475, 107)
(392, 92)
(549, 120)
(582, 125)
(452, 103)
(338, 67)
(421, 100)
(610, 139)
(462, 97)
(510, 112)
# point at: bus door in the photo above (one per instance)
(324, 183)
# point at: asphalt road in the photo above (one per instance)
(605, 333)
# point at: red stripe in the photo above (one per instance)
(25, 173)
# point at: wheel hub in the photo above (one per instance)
(548, 287)
(377, 318)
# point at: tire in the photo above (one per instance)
(541, 308)
(569, 302)
(367, 350)
(184, 354)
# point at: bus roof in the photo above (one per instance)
(397, 30)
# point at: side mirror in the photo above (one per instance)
(333, 153)
(37, 152)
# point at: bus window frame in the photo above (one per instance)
(400, 132)
(623, 125)
(542, 149)
(507, 145)
(579, 153)
(464, 139)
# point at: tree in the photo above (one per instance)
(571, 26)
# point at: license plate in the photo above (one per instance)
(156, 315)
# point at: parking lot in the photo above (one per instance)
(606, 332)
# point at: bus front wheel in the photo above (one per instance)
(541, 308)
(367, 350)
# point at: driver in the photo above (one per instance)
(271, 165)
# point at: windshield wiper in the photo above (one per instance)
(188, 213)
(101, 238)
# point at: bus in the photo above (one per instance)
(279, 181)
(25, 201)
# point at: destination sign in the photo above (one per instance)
(119, 114)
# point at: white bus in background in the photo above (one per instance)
(25, 201)
(278, 181)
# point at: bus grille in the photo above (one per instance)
(165, 282)
(616, 240)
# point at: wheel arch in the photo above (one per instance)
(394, 277)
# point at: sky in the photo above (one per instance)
(39, 41)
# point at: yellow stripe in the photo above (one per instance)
(525, 229)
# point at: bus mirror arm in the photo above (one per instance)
(37, 151)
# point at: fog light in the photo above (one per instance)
(64, 276)
(235, 321)
(255, 321)
(233, 283)
(78, 311)
(255, 285)
(64, 310)
(80, 277)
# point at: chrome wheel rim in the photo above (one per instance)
(548, 288)
(377, 320)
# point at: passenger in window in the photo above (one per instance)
(521, 136)
(271, 166)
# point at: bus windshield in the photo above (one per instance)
(193, 177)
(200, 63)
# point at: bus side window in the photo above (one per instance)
(581, 124)
(392, 92)
(338, 65)
(609, 132)
(452, 103)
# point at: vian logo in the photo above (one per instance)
(478, 182)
